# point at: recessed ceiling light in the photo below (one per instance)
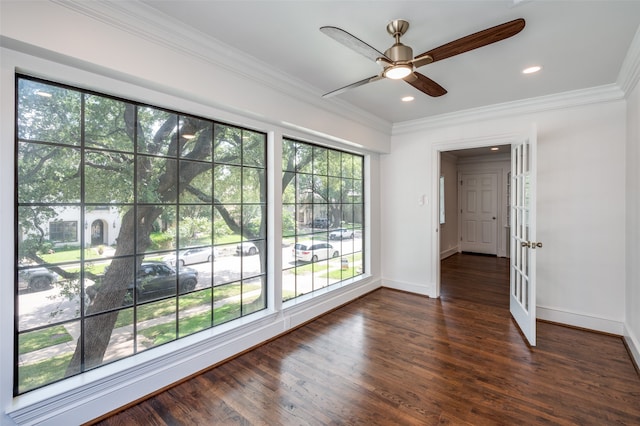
(187, 136)
(43, 94)
(408, 99)
(531, 70)
(495, 148)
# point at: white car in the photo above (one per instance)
(313, 251)
(341, 233)
(246, 248)
(191, 256)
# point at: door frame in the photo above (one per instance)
(436, 149)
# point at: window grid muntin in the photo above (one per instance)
(259, 140)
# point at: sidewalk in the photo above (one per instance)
(121, 343)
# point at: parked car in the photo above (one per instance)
(36, 279)
(341, 233)
(246, 247)
(321, 222)
(155, 279)
(191, 256)
(312, 251)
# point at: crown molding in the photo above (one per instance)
(147, 23)
(630, 71)
(606, 93)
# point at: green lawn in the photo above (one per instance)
(35, 340)
(34, 375)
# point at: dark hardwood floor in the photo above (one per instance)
(392, 358)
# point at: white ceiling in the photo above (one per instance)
(579, 44)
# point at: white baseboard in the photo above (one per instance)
(580, 320)
(427, 289)
(448, 252)
(633, 343)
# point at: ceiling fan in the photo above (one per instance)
(398, 61)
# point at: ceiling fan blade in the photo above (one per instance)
(425, 84)
(353, 85)
(474, 41)
(352, 42)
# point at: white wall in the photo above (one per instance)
(632, 318)
(48, 40)
(581, 199)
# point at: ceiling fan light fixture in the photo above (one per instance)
(397, 72)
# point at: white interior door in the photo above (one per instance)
(523, 236)
(478, 213)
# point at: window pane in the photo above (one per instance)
(48, 113)
(254, 294)
(195, 312)
(157, 180)
(227, 302)
(288, 155)
(161, 330)
(254, 149)
(195, 182)
(196, 138)
(195, 226)
(118, 348)
(156, 228)
(109, 284)
(227, 188)
(304, 158)
(36, 366)
(226, 223)
(158, 134)
(288, 220)
(227, 144)
(106, 123)
(108, 177)
(335, 163)
(254, 218)
(253, 185)
(347, 165)
(228, 267)
(48, 174)
(320, 161)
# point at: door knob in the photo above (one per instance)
(531, 244)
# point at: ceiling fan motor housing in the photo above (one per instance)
(399, 53)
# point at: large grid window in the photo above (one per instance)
(322, 217)
(135, 225)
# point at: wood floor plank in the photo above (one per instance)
(394, 358)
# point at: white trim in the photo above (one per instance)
(629, 74)
(577, 319)
(437, 148)
(449, 252)
(424, 289)
(633, 343)
(148, 23)
(606, 93)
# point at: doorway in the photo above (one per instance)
(454, 162)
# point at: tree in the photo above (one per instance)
(165, 156)
(164, 172)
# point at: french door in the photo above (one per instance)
(523, 236)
